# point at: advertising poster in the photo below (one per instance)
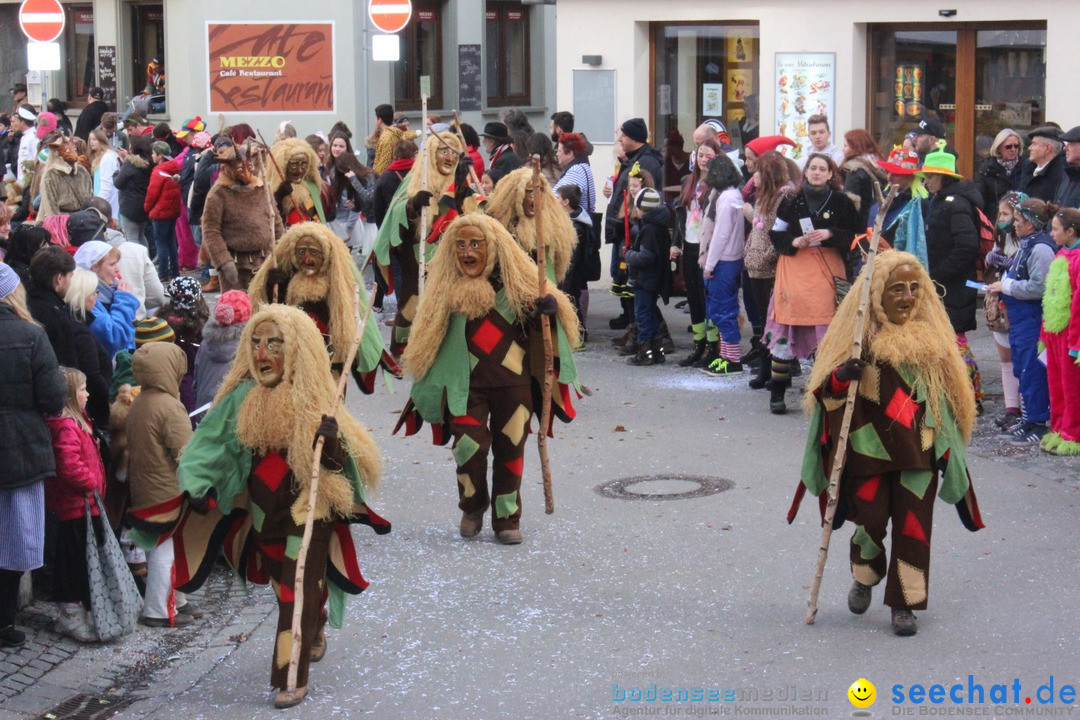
(271, 67)
(740, 49)
(908, 90)
(740, 83)
(805, 86)
(712, 99)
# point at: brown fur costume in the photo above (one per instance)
(450, 291)
(505, 205)
(306, 392)
(334, 283)
(925, 342)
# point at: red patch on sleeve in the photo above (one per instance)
(902, 408)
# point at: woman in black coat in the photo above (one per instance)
(132, 181)
(1000, 173)
(23, 243)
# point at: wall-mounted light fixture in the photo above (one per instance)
(592, 59)
(947, 13)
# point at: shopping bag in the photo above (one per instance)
(115, 603)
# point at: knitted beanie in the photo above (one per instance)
(153, 329)
(647, 199)
(9, 280)
(233, 307)
(636, 130)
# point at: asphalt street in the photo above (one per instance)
(609, 596)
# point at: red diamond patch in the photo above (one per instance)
(466, 420)
(516, 466)
(902, 408)
(914, 529)
(271, 470)
(487, 336)
(868, 490)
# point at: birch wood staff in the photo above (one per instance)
(422, 240)
(849, 406)
(545, 329)
(313, 491)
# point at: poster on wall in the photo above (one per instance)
(271, 67)
(908, 90)
(712, 99)
(740, 49)
(740, 83)
(805, 86)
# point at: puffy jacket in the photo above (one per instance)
(31, 387)
(157, 424)
(216, 354)
(163, 195)
(133, 180)
(79, 470)
(647, 259)
(952, 247)
(114, 326)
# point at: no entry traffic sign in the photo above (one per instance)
(390, 16)
(41, 20)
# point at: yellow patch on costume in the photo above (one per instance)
(512, 361)
(864, 575)
(466, 482)
(515, 427)
(283, 649)
(912, 582)
(870, 384)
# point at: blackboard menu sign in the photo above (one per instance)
(471, 88)
(107, 73)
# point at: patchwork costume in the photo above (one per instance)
(912, 419)
(477, 359)
(1061, 335)
(328, 297)
(246, 471)
(303, 198)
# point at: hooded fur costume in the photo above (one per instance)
(505, 205)
(913, 416)
(246, 422)
(328, 299)
(311, 193)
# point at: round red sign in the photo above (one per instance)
(390, 16)
(41, 20)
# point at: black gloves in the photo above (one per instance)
(547, 305)
(275, 285)
(851, 370)
(418, 202)
(332, 456)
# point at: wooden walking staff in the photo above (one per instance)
(545, 328)
(849, 407)
(422, 240)
(313, 492)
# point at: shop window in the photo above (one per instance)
(507, 48)
(79, 49)
(421, 54)
(977, 81)
(148, 31)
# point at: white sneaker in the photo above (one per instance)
(76, 622)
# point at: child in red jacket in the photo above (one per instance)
(162, 204)
(79, 472)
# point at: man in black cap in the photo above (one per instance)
(633, 137)
(18, 96)
(1047, 169)
(90, 117)
(1068, 190)
(502, 159)
(927, 134)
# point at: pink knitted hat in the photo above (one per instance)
(233, 307)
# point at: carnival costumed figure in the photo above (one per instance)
(245, 476)
(447, 196)
(240, 219)
(913, 416)
(511, 203)
(301, 195)
(1061, 335)
(476, 356)
(314, 272)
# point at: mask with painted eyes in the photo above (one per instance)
(268, 354)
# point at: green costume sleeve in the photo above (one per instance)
(389, 235)
(448, 377)
(214, 457)
(316, 199)
(813, 465)
(372, 346)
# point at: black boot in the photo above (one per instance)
(696, 354)
(756, 352)
(781, 381)
(712, 351)
(625, 337)
(658, 352)
(619, 323)
(762, 373)
(666, 341)
(646, 355)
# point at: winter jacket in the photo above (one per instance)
(503, 162)
(64, 189)
(647, 258)
(387, 185)
(993, 181)
(1026, 277)
(79, 470)
(138, 270)
(132, 181)
(384, 147)
(89, 119)
(163, 195)
(577, 276)
(215, 357)
(952, 247)
(1044, 185)
(363, 195)
(205, 175)
(239, 218)
(842, 221)
(75, 346)
(187, 172)
(114, 325)
(31, 387)
(157, 424)
(728, 238)
(104, 180)
(1068, 190)
(860, 173)
(650, 159)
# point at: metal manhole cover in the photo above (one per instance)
(663, 487)
(85, 707)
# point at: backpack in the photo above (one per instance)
(986, 239)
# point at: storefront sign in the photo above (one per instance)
(805, 86)
(271, 67)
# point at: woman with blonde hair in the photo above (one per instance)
(32, 389)
(113, 319)
(1000, 173)
(104, 162)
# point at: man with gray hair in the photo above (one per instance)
(1068, 190)
(1042, 177)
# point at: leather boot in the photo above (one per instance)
(625, 337)
(631, 345)
(666, 341)
(754, 355)
(696, 354)
(645, 355)
(762, 373)
(658, 352)
(781, 381)
(213, 285)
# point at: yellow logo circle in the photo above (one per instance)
(862, 693)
